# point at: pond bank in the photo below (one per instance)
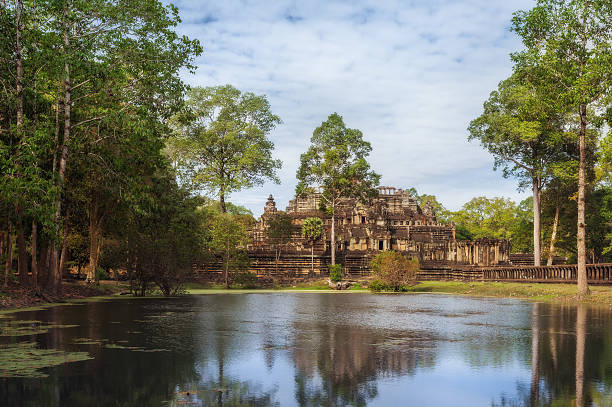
(551, 293)
(17, 297)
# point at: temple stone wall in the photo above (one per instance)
(392, 221)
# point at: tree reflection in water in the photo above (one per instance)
(322, 349)
(571, 358)
(341, 365)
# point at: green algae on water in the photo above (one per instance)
(88, 341)
(28, 327)
(25, 359)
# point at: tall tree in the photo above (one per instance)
(221, 140)
(336, 161)
(312, 229)
(570, 44)
(75, 66)
(522, 131)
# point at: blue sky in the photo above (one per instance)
(409, 74)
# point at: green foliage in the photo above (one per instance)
(335, 273)
(377, 286)
(312, 229)
(220, 140)
(430, 202)
(280, 227)
(522, 228)
(229, 237)
(101, 274)
(336, 160)
(392, 271)
(245, 280)
(81, 166)
(165, 237)
(484, 217)
(523, 131)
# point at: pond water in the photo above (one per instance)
(307, 349)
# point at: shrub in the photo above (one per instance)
(102, 274)
(335, 272)
(377, 285)
(245, 280)
(393, 271)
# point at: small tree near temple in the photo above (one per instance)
(393, 271)
(312, 229)
(229, 236)
(336, 161)
(279, 231)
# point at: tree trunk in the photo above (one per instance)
(333, 238)
(312, 260)
(22, 254)
(19, 65)
(58, 106)
(227, 269)
(94, 241)
(55, 275)
(553, 238)
(34, 245)
(222, 200)
(580, 347)
(64, 250)
(583, 288)
(537, 251)
(9, 253)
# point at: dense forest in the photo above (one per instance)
(109, 161)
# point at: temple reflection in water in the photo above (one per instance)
(322, 349)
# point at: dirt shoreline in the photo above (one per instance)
(15, 297)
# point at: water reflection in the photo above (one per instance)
(322, 349)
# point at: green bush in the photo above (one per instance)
(335, 273)
(101, 274)
(245, 280)
(377, 285)
(393, 271)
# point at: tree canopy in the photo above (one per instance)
(336, 161)
(220, 140)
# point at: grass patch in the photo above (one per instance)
(533, 291)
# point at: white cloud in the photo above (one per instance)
(409, 74)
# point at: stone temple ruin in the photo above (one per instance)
(392, 221)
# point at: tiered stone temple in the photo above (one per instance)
(392, 221)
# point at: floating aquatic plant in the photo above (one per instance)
(25, 359)
(88, 341)
(133, 348)
(30, 327)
